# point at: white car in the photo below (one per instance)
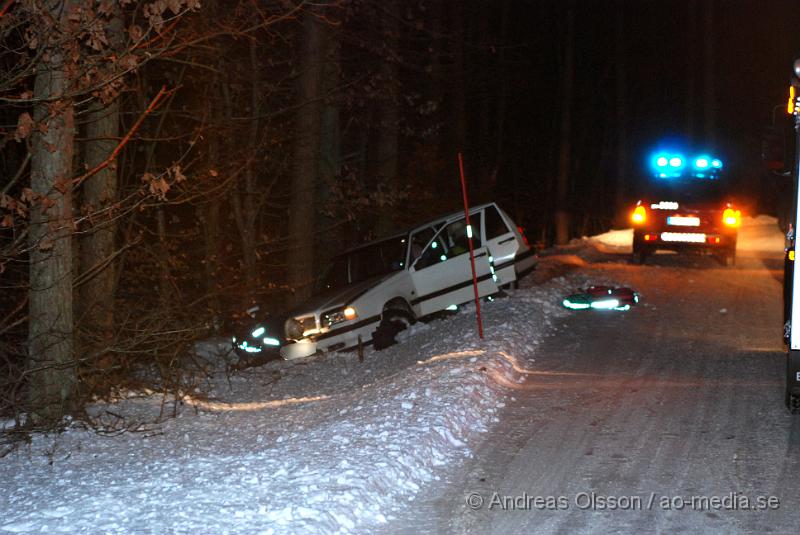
(376, 290)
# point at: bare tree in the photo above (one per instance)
(50, 344)
(306, 160)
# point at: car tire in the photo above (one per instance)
(639, 256)
(640, 252)
(727, 259)
(394, 320)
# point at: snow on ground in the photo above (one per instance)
(756, 234)
(325, 445)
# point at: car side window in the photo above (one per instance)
(450, 242)
(495, 225)
(418, 242)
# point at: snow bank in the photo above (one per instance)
(322, 446)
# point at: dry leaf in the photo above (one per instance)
(62, 185)
(46, 203)
(24, 126)
(28, 195)
(177, 174)
(7, 222)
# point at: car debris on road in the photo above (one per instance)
(602, 298)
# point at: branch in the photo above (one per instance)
(5, 8)
(102, 165)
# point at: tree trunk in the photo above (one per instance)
(564, 153)
(709, 73)
(502, 109)
(387, 144)
(250, 204)
(458, 123)
(329, 237)
(51, 366)
(208, 213)
(691, 71)
(98, 244)
(621, 119)
(306, 161)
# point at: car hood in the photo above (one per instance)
(338, 297)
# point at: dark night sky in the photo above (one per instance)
(754, 43)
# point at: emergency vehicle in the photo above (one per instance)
(685, 208)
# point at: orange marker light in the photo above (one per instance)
(790, 104)
(350, 313)
(731, 217)
(639, 215)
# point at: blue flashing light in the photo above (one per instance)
(673, 164)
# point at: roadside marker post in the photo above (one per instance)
(471, 249)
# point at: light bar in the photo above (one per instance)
(676, 165)
(684, 237)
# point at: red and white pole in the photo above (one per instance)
(471, 249)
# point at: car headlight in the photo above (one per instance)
(332, 317)
(294, 329)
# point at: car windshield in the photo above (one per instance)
(366, 262)
(688, 190)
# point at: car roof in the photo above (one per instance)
(409, 230)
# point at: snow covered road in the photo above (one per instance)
(668, 418)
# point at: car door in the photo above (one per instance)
(442, 275)
(502, 244)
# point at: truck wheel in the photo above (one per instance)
(394, 321)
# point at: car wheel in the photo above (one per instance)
(393, 321)
(640, 252)
(727, 259)
(639, 256)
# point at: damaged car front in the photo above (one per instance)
(341, 314)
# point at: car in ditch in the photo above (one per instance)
(686, 208)
(372, 292)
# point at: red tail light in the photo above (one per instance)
(524, 239)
